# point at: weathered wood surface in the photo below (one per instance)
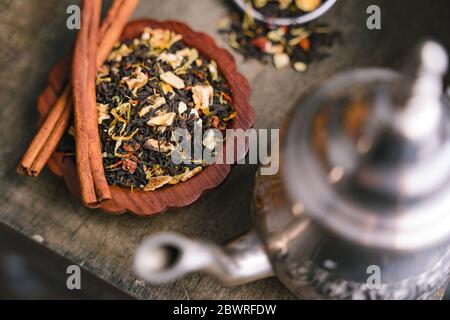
(33, 36)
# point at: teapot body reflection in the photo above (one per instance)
(361, 207)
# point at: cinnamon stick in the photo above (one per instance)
(79, 78)
(28, 163)
(91, 116)
(46, 140)
(112, 27)
(94, 188)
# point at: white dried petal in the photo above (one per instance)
(172, 79)
(203, 96)
(171, 59)
(162, 146)
(183, 53)
(164, 119)
(120, 52)
(194, 112)
(276, 35)
(212, 67)
(281, 60)
(145, 35)
(102, 112)
(38, 238)
(138, 81)
(273, 48)
(160, 38)
(300, 66)
(144, 111)
(209, 141)
(192, 55)
(155, 103)
(158, 101)
(182, 107)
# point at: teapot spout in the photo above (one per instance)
(165, 257)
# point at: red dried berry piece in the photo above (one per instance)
(305, 44)
(260, 43)
(128, 148)
(215, 121)
(129, 166)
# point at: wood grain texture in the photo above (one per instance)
(33, 37)
(175, 196)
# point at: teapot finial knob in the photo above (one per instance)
(421, 110)
(433, 58)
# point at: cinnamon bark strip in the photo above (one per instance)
(112, 27)
(93, 185)
(80, 68)
(49, 134)
(50, 146)
(28, 165)
(91, 130)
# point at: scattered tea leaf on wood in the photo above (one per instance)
(284, 8)
(297, 46)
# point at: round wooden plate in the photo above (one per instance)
(181, 194)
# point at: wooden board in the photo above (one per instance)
(33, 36)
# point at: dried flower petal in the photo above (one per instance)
(300, 66)
(281, 60)
(284, 4)
(138, 81)
(155, 103)
(162, 38)
(164, 119)
(308, 5)
(171, 59)
(190, 174)
(209, 141)
(162, 146)
(203, 96)
(120, 52)
(172, 79)
(212, 67)
(157, 182)
(182, 107)
(103, 112)
(276, 35)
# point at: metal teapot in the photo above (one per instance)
(361, 208)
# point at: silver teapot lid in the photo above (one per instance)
(368, 154)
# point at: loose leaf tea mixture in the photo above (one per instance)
(297, 46)
(149, 87)
(284, 8)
